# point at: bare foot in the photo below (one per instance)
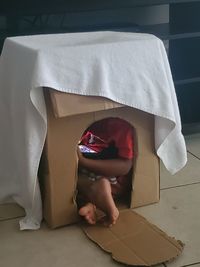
(111, 219)
(100, 194)
(89, 213)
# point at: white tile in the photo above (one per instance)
(64, 247)
(188, 175)
(178, 215)
(10, 210)
(193, 144)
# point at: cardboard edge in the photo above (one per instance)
(180, 244)
(123, 262)
(83, 226)
(59, 107)
(156, 228)
(53, 103)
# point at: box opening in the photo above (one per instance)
(98, 143)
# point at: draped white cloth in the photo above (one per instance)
(129, 68)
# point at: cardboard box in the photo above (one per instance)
(68, 116)
(132, 240)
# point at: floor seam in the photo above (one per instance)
(183, 185)
(192, 264)
(8, 219)
(193, 154)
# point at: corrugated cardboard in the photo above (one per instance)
(60, 157)
(135, 241)
(78, 104)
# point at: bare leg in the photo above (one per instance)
(98, 194)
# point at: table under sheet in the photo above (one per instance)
(129, 68)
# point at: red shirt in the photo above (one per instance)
(107, 132)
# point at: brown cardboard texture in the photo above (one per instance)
(63, 104)
(134, 241)
(66, 123)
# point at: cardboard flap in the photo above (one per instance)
(66, 104)
(134, 240)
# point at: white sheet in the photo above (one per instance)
(130, 68)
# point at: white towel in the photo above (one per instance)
(129, 68)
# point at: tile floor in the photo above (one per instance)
(177, 213)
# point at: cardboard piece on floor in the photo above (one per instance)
(134, 240)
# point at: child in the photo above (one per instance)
(105, 154)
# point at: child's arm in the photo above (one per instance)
(108, 167)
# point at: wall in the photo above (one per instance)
(86, 20)
(150, 15)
